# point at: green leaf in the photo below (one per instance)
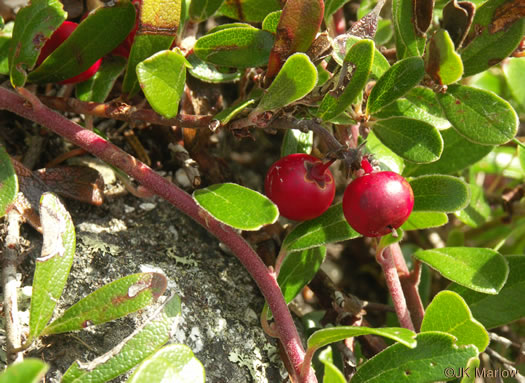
(439, 193)
(203, 9)
(31, 370)
(497, 310)
(419, 220)
(144, 46)
(162, 78)
(420, 103)
(271, 21)
(442, 62)
(514, 68)
(449, 313)
(210, 73)
(298, 25)
(408, 41)
(235, 47)
(295, 80)
(330, 227)
(358, 63)
(478, 211)
(237, 206)
(496, 31)
(112, 301)
(5, 42)
(298, 269)
(35, 23)
(130, 352)
(252, 11)
(478, 115)
(521, 156)
(8, 182)
(227, 114)
(97, 88)
(295, 141)
(331, 6)
(331, 372)
(458, 154)
(173, 363)
(435, 353)
(101, 32)
(325, 336)
(379, 65)
(54, 264)
(411, 139)
(398, 80)
(479, 269)
(385, 32)
(387, 159)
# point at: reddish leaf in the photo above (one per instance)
(297, 28)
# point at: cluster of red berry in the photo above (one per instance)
(374, 204)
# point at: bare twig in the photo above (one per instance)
(10, 285)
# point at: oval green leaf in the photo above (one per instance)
(478, 211)
(203, 9)
(325, 336)
(387, 159)
(479, 269)
(398, 80)
(496, 31)
(112, 301)
(449, 313)
(331, 372)
(514, 68)
(409, 42)
(162, 78)
(133, 350)
(330, 227)
(379, 65)
(439, 193)
(411, 139)
(94, 37)
(210, 73)
(295, 80)
(479, 115)
(54, 264)
(434, 353)
(173, 363)
(271, 21)
(298, 269)
(442, 62)
(497, 310)
(420, 103)
(235, 47)
(237, 206)
(35, 23)
(357, 66)
(295, 141)
(97, 88)
(458, 154)
(8, 182)
(252, 11)
(420, 220)
(31, 370)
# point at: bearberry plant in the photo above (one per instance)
(397, 124)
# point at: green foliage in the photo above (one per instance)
(251, 11)
(439, 193)
(30, 370)
(295, 141)
(98, 87)
(237, 206)
(8, 182)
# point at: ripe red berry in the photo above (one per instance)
(301, 186)
(376, 203)
(57, 38)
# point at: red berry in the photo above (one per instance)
(376, 203)
(57, 38)
(301, 186)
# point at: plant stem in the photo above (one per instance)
(115, 156)
(409, 283)
(386, 260)
(119, 110)
(10, 285)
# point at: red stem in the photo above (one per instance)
(386, 260)
(115, 156)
